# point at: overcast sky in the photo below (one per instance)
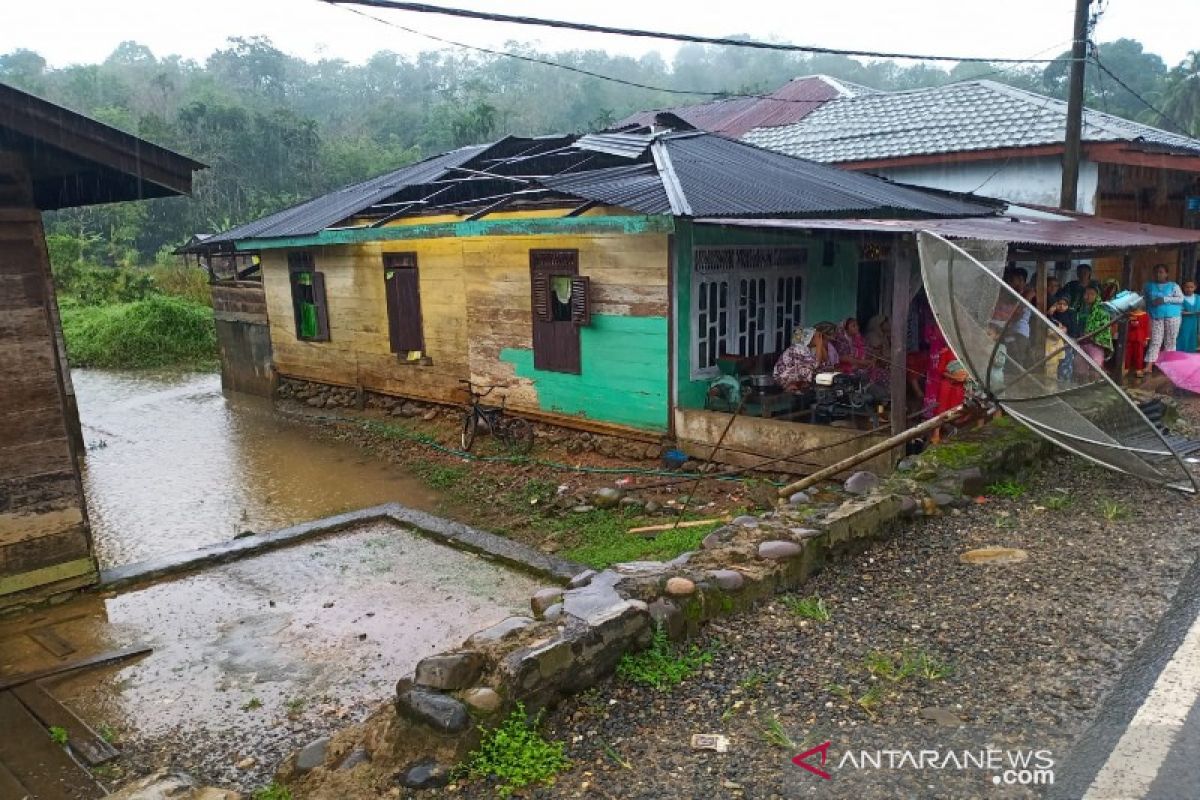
(74, 31)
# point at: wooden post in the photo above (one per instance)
(1043, 301)
(1123, 325)
(901, 280)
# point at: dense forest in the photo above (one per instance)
(275, 129)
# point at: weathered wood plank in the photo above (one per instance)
(36, 761)
(11, 787)
(53, 714)
(97, 660)
(51, 642)
(35, 458)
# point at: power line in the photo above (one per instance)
(424, 8)
(1162, 114)
(613, 79)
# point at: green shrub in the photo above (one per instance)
(601, 538)
(272, 792)
(155, 332)
(516, 755)
(807, 607)
(176, 280)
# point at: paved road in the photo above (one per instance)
(1145, 743)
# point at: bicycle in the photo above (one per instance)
(514, 432)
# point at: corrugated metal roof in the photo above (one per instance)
(724, 177)
(629, 145)
(960, 117)
(637, 187)
(313, 216)
(1040, 231)
(735, 116)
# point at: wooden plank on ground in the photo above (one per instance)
(10, 786)
(53, 714)
(110, 657)
(51, 641)
(43, 767)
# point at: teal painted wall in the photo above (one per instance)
(623, 378)
(832, 292)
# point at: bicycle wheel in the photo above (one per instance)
(518, 434)
(469, 426)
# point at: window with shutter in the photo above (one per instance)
(309, 307)
(402, 288)
(560, 304)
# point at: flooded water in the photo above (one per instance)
(172, 465)
(257, 657)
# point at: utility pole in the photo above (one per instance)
(1072, 147)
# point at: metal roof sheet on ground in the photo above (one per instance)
(735, 116)
(313, 216)
(959, 117)
(1061, 232)
(724, 177)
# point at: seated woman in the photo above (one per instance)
(809, 353)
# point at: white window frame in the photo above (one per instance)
(728, 266)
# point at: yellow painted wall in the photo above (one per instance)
(475, 302)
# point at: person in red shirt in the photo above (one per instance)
(1139, 337)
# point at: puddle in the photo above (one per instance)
(255, 658)
(172, 465)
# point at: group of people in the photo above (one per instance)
(826, 347)
(1169, 321)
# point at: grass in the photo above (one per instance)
(58, 735)
(869, 701)
(295, 706)
(106, 732)
(252, 704)
(600, 538)
(1057, 501)
(755, 679)
(272, 791)
(773, 733)
(909, 664)
(807, 607)
(1113, 510)
(662, 666)
(955, 455)
(1010, 489)
(516, 755)
(441, 476)
(155, 332)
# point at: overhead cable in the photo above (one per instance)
(488, 16)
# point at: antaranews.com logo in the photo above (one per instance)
(1019, 767)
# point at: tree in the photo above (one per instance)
(1181, 95)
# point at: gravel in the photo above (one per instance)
(1030, 648)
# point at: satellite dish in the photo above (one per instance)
(1047, 382)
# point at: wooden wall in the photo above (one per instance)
(45, 545)
(475, 303)
(243, 337)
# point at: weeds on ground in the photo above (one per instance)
(600, 538)
(807, 607)
(1113, 510)
(1057, 501)
(516, 755)
(1010, 489)
(756, 678)
(58, 735)
(295, 706)
(869, 701)
(106, 732)
(252, 704)
(661, 666)
(614, 755)
(440, 476)
(272, 791)
(910, 664)
(773, 733)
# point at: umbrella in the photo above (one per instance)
(1182, 369)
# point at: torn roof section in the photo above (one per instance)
(678, 173)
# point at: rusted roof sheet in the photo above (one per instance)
(736, 116)
(1029, 231)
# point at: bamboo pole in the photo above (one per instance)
(872, 451)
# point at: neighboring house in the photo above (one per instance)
(995, 140)
(736, 116)
(51, 158)
(569, 269)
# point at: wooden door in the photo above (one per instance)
(403, 302)
(554, 282)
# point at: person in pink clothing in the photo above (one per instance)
(932, 334)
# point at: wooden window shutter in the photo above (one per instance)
(318, 286)
(541, 296)
(404, 302)
(581, 300)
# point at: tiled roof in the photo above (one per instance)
(960, 117)
(735, 116)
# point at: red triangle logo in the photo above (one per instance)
(802, 760)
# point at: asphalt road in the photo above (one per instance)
(1145, 743)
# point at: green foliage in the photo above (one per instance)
(662, 666)
(954, 455)
(176, 280)
(807, 607)
(909, 664)
(155, 332)
(1113, 510)
(253, 704)
(516, 755)
(58, 735)
(1010, 489)
(774, 734)
(273, 791)
(1057, 501)
(440, 476)
(601, 538)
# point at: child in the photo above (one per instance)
(998, 359)
(1191, 319)
(1096, 327)
(1139, 336)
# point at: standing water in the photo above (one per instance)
(172, 465)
